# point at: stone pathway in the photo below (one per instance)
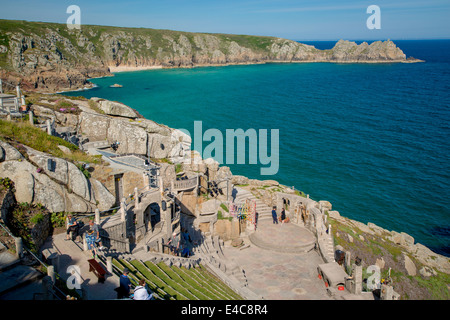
(278, 275)
(71, 255)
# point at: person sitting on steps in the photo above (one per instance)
(141, 292)
(72, 226)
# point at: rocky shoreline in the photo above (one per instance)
(49, 58)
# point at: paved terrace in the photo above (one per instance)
(278, 268)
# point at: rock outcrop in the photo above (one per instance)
(49, 57)
(53, 182)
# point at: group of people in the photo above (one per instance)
(140, 292)
(282, 216)
(92, 235)
(181, 245)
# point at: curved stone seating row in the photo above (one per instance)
(176, 282)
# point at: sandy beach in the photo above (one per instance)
(114, 69)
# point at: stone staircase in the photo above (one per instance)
(263, 210)
(211, 253)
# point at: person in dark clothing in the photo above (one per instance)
(125, 285)
(283, 215)
(72, 226)
(274, 215)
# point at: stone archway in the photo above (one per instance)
(152, 216)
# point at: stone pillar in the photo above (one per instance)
(109, 265)
(49, 127)
(168, 218)
(161, 185)
(85, 246)
(51, 273)
(347, 260)
(386, 292)
(357, 278)
(19, 246)
(123, 210)
(235, 228)
(8, 109)
(136, 198)
(97, 216)
(31, 117)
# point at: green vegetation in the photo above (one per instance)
(221, 217)
(146, 43)
(370, 247)
(18, 133)
(178, 168)
(176, 283)
(94, 106)
(24, 217)
(6, 183)
(224, 207)
(58, 219)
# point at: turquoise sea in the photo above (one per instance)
(373, 139)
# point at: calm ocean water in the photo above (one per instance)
(373, 139)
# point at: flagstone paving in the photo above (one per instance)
(278, 275)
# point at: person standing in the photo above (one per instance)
(90, 241)
(94, 227)
(274, 215)
(125, 285)
(174, 243)
(283, 215)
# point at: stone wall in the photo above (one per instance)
(7, 202)
(41, 231)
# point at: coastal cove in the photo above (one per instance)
(373, 139)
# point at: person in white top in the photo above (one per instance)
(141, 293)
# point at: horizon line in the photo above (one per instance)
(236, 34)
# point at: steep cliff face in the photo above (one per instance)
(50, 57)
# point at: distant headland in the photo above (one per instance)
(48, 57)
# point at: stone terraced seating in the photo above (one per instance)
(176, 282)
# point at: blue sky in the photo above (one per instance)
(296, 20)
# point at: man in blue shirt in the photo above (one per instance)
(274, 215)
(125, 284)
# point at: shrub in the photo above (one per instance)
(7, 183)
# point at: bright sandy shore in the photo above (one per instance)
(113, 69)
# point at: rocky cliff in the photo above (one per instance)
(50, 57)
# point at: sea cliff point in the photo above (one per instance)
(49, 57)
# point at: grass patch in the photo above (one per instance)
(37, 139)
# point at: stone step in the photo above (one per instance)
(8, 260)
(18, 276)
